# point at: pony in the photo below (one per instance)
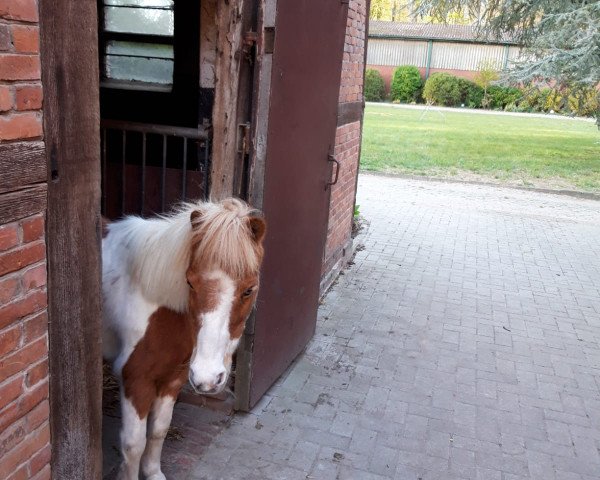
(177, 291)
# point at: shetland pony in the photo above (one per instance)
(177, 291)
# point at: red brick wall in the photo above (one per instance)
(24, 408)
(347, 143)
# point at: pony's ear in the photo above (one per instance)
(195, 216)
(258, 227)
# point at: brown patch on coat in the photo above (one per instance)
(242, 306)
(205, 294)
(159, 363)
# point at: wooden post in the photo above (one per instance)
(224, 151)
(428, 59)
(69, 53)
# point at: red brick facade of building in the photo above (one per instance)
(24, 408)
(347, 144)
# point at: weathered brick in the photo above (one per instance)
(22, 473)
(24, 404)
(10, 390)
(22, 307)
(33, 443)
(18, 258)
(6, 98)
(26, 38)
(11, 437)
(25, 10)
(40, 460)
(35, 327)
(33, 228)
(38, 415)
(17, 361)
(10, 339)
(19, 67)
(29, 97)
(43, 474)
(20, 125)
(34, 277)
(37, 373)
(9, 236)
(9, 289)
(5, 43)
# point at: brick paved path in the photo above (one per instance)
(463, 344)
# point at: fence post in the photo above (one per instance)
(428, 60)
(506, 52)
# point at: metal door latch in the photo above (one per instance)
(331, 158)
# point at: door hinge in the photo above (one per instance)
(244, 139)
(250, 38)
(269, 39)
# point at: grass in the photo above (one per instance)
(530, 151)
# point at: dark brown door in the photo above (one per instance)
(309, 45)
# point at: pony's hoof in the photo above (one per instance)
(157, 476)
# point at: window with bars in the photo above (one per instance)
(137, 44)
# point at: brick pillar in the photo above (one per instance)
(24, 408)
(338, 247)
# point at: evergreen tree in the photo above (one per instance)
(561, 38)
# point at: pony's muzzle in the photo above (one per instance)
(215, 385)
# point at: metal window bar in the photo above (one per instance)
(163, 132)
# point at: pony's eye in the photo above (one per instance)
(248, 292)
(190, 285)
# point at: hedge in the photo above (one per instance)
(443, 89)
(406, 84)
(374, 86)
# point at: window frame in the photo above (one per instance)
(105, 36)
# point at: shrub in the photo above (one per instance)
(374, 86)
(534, 99)
(485, 76)
(442, 89)
(500, 97)
(406, 84)
(570, 101)
(471, 94)
(584, 103)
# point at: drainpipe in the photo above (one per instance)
(506, 51)
(428, 60)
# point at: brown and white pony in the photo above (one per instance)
(177, 292)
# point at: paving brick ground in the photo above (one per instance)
(462, 344)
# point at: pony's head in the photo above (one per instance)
(223, 277)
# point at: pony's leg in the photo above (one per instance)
(158, 425)
(133, 440)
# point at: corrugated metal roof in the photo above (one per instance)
(431, 31)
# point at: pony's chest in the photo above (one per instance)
(163, 352)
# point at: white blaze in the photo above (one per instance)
(213, 342)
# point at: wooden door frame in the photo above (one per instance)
(69, 64)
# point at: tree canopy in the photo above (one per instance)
(561, 38)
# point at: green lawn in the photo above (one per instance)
(540, 152)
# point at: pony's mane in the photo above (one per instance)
(222, 238)
(160, 250)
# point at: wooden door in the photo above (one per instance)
(304, 90)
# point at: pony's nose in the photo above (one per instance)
(214, 386)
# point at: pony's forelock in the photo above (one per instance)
(222, 238)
